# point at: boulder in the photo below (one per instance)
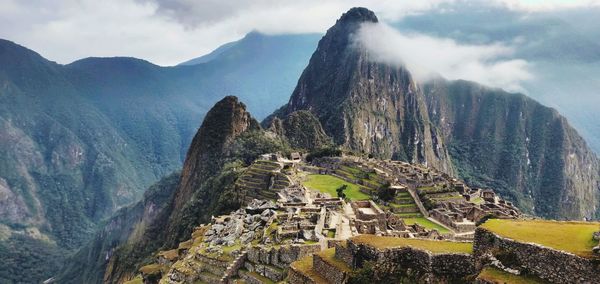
(596, 249)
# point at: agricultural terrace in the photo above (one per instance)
(494, 275)
(428, 224)
(429, 245)
(571, 236)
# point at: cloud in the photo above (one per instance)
(167, 32)
(427, 56)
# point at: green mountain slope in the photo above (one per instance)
(524, 150)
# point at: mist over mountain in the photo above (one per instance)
(561, 47)
(492, 138)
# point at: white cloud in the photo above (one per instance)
(427, 56)
(167, 32)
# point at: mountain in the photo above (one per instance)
(560, 46)
(81, 140)
(490, 137)
(524, 150)
(366, 106)
(173, 207)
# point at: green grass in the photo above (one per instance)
(328, 256)
(429, 245)
(573, 237)
(426, 223)
(328, 184)
(305, 266)
(331, 234)
(495, 275)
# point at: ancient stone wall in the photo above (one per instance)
(344, 254)
(273, 263)
(328, 271)
(298, 277)
(412, 262)
(549, 264)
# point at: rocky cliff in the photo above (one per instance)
(366, 106)
(517, 146)
(301, 129)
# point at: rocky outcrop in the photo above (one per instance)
(302, 130)
(223, 123)
(524, 150)
(366, 106)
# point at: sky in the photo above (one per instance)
(167, 32)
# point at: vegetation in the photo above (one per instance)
(329, 184)
(385, 192)
(426, 223)
(323, 152)
(498, 276)
(305, 266)
(28, 260)
(429, 245)
(573, 237)
(340, 191)
(328, 255)
(365, 274)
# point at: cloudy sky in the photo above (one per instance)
(167, 32)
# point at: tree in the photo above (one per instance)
(386, 192)
(340, 191)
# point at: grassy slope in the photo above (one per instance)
(328, 184)
(426, 223)
(574, 237)
(494, 275)
(430, 245)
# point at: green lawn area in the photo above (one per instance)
(430, 245)
(573, 237)
(426, 223)
(328, 184)
(495, 275)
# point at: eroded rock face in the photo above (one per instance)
(302, 130)
(223, 123)
(524, 150)
(364, 105)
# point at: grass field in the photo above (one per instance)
(430, 245)
(573, 237)
(328, 184)
(426, 223)
(495, 275)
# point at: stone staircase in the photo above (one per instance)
(234, 267)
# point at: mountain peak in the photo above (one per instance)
(225, 121)
(358, 15)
